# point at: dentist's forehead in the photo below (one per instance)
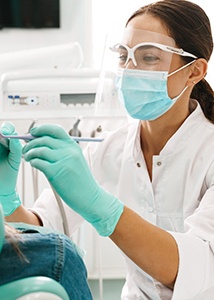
(133, 36)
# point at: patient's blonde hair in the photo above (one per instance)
(14, 236)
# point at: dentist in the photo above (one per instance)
(149, 186)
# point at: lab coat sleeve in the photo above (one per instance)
(195, 278)
(46, 207)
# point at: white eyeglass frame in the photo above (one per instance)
(170, 49)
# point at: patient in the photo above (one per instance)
(33, 251)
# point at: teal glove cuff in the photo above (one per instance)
(107, 216)
(10, 203)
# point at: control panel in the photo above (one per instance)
(46, 101)
(49, 93)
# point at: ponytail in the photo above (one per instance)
(204, 94)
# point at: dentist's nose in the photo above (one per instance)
(130, 64)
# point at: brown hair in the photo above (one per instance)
(190, 27)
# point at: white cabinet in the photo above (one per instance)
(103, 258)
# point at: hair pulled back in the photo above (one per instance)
(189, 26)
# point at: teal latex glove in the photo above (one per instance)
(61, 159)
(10, 159)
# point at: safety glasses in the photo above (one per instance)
(147, 55)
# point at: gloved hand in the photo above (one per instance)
(10, 159)
(61, 159)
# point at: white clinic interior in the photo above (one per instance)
(86, 22)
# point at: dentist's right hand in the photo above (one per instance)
(10, 159)
(61, 159)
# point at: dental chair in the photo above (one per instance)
(37, 287)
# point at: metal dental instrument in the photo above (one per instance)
(28, 137)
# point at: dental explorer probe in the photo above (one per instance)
(28, 137)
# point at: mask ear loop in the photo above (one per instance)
(177, 97)
(183, 67)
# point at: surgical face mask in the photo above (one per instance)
(144, 93)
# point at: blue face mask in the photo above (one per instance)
(144, 93)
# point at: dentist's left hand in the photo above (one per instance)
(10, 159)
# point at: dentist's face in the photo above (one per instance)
(176, 82)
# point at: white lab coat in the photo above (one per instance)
(180, 199)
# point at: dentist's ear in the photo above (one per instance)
(198, 71)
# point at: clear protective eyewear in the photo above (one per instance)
(147, 55)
